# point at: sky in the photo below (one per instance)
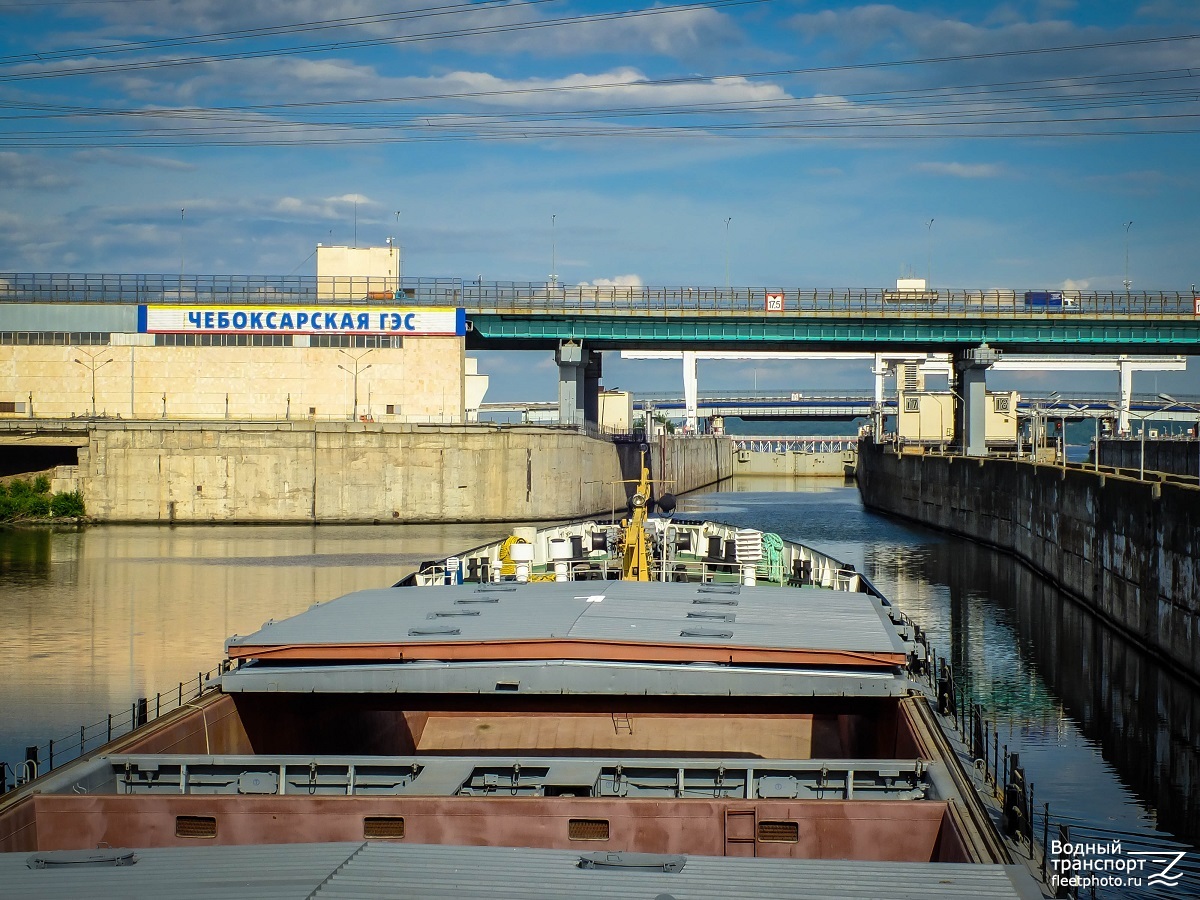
(1024, 144)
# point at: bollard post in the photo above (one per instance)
(181, 693)
(996, 755)
(1045, 838)
(1029, 824)
(110, 726)
(987, 757)
(82, 738)
(157, 704)
(51, 754)
(143, 713)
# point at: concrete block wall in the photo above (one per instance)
(688, 463)
(335, 472)
(1129, 550)
(1180, 456)
(305, 472)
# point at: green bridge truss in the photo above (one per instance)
(1030, 333)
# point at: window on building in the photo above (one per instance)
(54, 338)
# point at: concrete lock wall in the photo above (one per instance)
(350, 472)
(1127, 549)
(1180, 456)
(687, 463)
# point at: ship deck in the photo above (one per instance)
(367, 870)
(613, 620)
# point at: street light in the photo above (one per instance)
(1194, 408)
(93, 364)
(1128, 283)
(553, 252)
(929, 255)
(356, 370)
(1040, 410)
(728, 219)
(1142, 452)
(1096, 440)
(1075, 407)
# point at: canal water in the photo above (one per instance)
(93, 618)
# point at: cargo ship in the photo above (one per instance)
(644, 706)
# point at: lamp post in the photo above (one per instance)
(553, 252)
(1194, 408)
(1142, 451)
(1128, 283)
(182, 245)
(93, 364)
(929, 255)
(354, 372)
(1096, 440)
(1075, 407)
(728, 219)
(1041, 411)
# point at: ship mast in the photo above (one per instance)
(635, 565)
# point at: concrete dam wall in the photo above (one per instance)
(1129, 550)
(304, 472)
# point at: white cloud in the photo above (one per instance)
(23, 171)
(962, 170)
(1073, 284)
(616, 281)
(133, 160)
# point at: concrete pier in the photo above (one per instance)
(1129, 550)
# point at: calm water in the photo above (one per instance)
(91, 619)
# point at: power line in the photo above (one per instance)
(468, 32)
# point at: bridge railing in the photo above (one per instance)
(549, 297)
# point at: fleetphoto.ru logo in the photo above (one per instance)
(1096, 865)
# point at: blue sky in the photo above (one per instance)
(788, 143)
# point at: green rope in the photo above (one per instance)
(770, 566)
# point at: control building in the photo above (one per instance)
(345, 346)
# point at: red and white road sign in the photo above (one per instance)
(775, 301)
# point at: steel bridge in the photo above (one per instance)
(510, 315)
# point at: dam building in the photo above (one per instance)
(357, 352)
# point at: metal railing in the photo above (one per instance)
(536, 297)
(43, 758)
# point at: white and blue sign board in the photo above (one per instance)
(389, 320)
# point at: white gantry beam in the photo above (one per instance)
(931, 363)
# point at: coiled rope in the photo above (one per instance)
(770, 566)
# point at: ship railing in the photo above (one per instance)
(822, 572)
(40, 759)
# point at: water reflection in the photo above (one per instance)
(1106, 735)
(91, 619)
(1146, 719)
(25, 554)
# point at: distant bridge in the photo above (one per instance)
(847, 406)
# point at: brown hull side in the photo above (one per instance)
(405, 725)
(822, 829)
